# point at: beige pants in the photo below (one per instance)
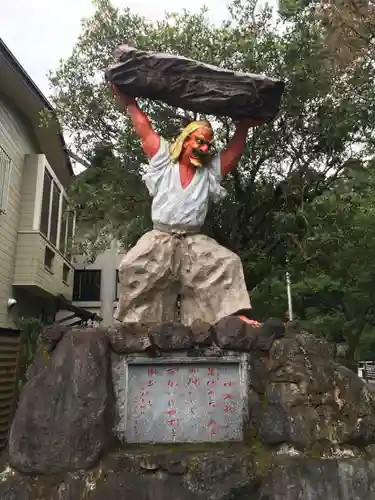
(162, 265)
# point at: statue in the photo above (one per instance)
(175, 259)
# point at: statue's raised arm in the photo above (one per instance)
(230, 157)
(150, 140)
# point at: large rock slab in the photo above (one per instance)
(63, 420)
(47, 341)
(171, 336)
(221, 475)
(299, 395)
(226, 474)
(202, 333)
(316, 479)
(129, 338)
(156, 475)
(234, 333)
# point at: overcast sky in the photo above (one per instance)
(41, 32)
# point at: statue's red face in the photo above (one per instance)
(197, 147)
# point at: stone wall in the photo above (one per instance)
(239, 473)
(308, 428)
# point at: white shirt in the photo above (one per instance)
(172, 204)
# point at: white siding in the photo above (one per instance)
(30, 269)
(15, 141)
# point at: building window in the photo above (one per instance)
(56, 222)
(117, 289)
(86, 287)
(46, 204)
(55, 207)
(66, 274)
(5, 174)
(49, 257)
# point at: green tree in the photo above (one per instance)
(348, 26)
(333, 265)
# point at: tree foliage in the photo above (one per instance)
(348, 25)
(284, 200)
(333, 268)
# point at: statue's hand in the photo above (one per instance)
(123, 99)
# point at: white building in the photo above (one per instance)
(95, 286)
(35, 227)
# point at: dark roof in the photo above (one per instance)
(37, 93)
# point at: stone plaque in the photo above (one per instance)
(191, 402)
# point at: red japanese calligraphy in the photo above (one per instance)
(171, 371)
(228, 409)
(171, 412)
(195, 381)
(228, 397)
(211, 382)
(228, 383)
(171, 383)
(172, 422)
(151, 372)
(143, 394)
(211, 372)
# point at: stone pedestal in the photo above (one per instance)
(208, 413)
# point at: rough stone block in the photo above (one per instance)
(129, 338)
(64, 416)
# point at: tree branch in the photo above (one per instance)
(78, 159)
(345, 23)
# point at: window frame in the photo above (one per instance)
(117, 285)
(78, 297)
(49, 255)
(64, 228)
(66, 270)
(5, 179)
(56, 187)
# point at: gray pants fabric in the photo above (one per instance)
(171, 262)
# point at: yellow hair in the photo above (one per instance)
(175, 148)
